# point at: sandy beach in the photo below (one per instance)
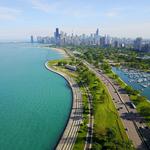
(61, 51)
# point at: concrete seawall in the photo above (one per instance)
(70, 133)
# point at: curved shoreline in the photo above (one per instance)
(69, 135)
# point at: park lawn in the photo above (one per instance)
(106, 116)
(62, 69)
(54, 62)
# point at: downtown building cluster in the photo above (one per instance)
(61, 38)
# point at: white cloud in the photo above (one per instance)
(43, 6)
(112, 14)
(7, 13)
(128, 29)
(117, 11)
(63, 7)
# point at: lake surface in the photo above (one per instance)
(34, 102)
(137, 86)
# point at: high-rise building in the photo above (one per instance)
(97, 37)
(97, 32)
(138, 44)
(57, 33)
(32, 40)
(108, 40)
(40, 39)
(102, 41)
(57, 36)
(116, 44)
(146, 47)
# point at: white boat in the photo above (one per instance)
(140, 80)
(144, 85)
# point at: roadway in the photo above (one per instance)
(89, 137)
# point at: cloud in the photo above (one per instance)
(43, 6)
(117, 11)
(77, 13)
(63, 7)
(128, 29)
(7, 13)
(111, 14)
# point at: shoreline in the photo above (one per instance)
(120, 78)
(61, 51)
(72, 126)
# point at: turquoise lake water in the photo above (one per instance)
(135, 85)
(34, 102)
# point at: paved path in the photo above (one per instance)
(89, 137)
(69, 136)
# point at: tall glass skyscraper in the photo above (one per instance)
(32, 39)
(57, 36)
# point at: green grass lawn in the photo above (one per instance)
(106, 116)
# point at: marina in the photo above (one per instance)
(137, 79)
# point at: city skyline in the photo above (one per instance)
(20, 19)
(61, 38)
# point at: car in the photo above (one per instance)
(132, 105)
(141, 127)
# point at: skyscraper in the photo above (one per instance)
(97, 32)
(57, 32)
(32, 40)
(57, 36)
(138, 44)
(97, 37)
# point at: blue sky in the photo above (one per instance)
(123, 18)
